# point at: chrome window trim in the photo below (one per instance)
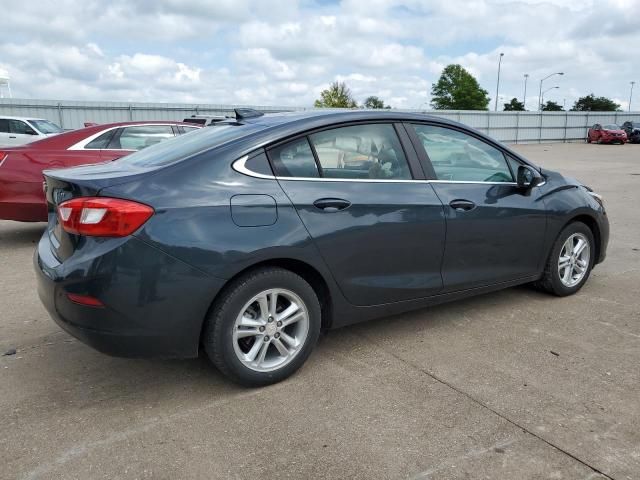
(82, 143)
(239, 166)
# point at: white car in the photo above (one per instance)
(20, 130)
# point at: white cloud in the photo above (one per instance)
(285, 51)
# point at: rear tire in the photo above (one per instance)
(570, 261)
(263, 327)
(588, 139)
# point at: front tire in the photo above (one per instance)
(263, 327)
(570, 262)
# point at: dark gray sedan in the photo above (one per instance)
(248, 237)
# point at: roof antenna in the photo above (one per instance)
(242, 113)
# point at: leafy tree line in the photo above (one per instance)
(339, 95)
(457, 89)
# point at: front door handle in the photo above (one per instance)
(462, 205)
(331, 204)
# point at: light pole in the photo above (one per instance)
(524, 97)
(498, 82)
(631, 94)
(540, 94)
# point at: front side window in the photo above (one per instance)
(457, 156)
(139, 137)
(20, 127)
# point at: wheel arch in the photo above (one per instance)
(592, 223)
(299, 267)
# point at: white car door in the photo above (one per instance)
(20, 133)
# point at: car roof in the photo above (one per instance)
(64, 140)
(338, 116)
(10, 117)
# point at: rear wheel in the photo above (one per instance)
(570, 261)
(264, 327)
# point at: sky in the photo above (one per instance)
(285, 52)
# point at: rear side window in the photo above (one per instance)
(294, 159)
(457, 156)
(362, 151)
(371, 151)
(101, 141)
(137, 138)
(4, 125)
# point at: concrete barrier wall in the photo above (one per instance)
(509, 127)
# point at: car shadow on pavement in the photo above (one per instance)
(18, 234)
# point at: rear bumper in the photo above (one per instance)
(154, 304)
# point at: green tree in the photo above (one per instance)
(375, 102)
(338, 95)
(457, 89)
(514, 106)
(552, 107)
(591, 103)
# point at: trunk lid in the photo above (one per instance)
(82, 181)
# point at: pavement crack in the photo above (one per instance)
(487, 407)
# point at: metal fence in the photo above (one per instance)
(509, 127)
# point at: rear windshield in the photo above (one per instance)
(186, 145)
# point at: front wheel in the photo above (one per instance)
(570, 261)
(264, 327)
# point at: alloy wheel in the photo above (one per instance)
(573, 262)
(270, 330)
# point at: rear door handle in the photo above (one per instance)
(462, 205)
(331, 204)
(12, 136)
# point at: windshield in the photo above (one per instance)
(45, 126)
(186, 145)
(611, 126)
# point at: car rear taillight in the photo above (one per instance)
(102, 217)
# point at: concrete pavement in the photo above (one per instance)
(510, 385)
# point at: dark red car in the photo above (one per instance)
(610, 133)
(21, 196)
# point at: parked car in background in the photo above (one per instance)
(205, 120)
(248, 237)
(608, 133)
(21, 196)
(632, 129)
(21, 130)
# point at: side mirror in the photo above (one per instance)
(528, 177)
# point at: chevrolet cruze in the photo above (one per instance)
(248, 237)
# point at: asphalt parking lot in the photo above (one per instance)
(510, 385)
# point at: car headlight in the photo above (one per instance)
(597, 197)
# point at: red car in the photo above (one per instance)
(610, 133)
(21, 196)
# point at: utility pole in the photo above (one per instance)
(498, 82)
(524, 97)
